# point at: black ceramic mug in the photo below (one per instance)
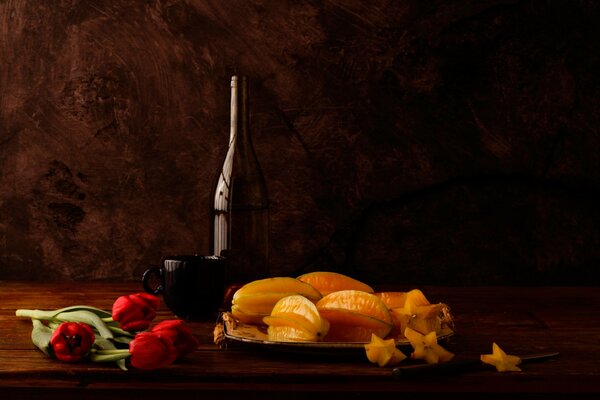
(192, 286)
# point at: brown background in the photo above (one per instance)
(409, 141)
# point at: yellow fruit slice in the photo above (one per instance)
(278, 285)
(300, 315)
(502, 361)
(291, 321)
(309, 333)
(300, 306)
(383, 352)
(429, 310)
(426, 347)
(378, 355)
(260, 302)
(327, 282)
(417, 297)
(257, 298)
(288, 334)
(411, 309)
(423, 319)
(246, 317)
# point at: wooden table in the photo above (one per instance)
(520, 319)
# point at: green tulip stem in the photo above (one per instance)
(48, 314)
(111, 351)
(109, 355)
(35, 314)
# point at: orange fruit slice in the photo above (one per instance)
(327, 282)
(351, 318)
(346, 326)
(357, 301)
(392, 299)
(354, 316)
(353, 334)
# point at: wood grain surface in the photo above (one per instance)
(520, 319)
(402, 141)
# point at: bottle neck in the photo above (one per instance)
(250, 185)
(239, 123)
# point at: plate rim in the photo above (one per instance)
(445, 334)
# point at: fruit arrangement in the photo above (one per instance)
(332, 307)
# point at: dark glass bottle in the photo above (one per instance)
(240, 228)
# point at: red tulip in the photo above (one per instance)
(71, 341)
(150, 350)
(134, 312)
(179, 333)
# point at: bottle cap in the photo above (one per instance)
(236, 80)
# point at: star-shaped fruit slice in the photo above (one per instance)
(420, 317)
(383, 352)
(502, 361)
(426, 347)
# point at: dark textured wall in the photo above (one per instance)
(414, 141)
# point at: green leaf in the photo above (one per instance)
(98, 311)
(40, 336)
(53, 324)
(50, 314)
(87, 317)
(118, 331)
(123, 339)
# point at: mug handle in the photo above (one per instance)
(153, 271)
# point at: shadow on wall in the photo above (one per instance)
(474, 231)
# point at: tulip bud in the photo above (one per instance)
(179, 333)
(150, 350)
(71, 341)
(134, 312)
